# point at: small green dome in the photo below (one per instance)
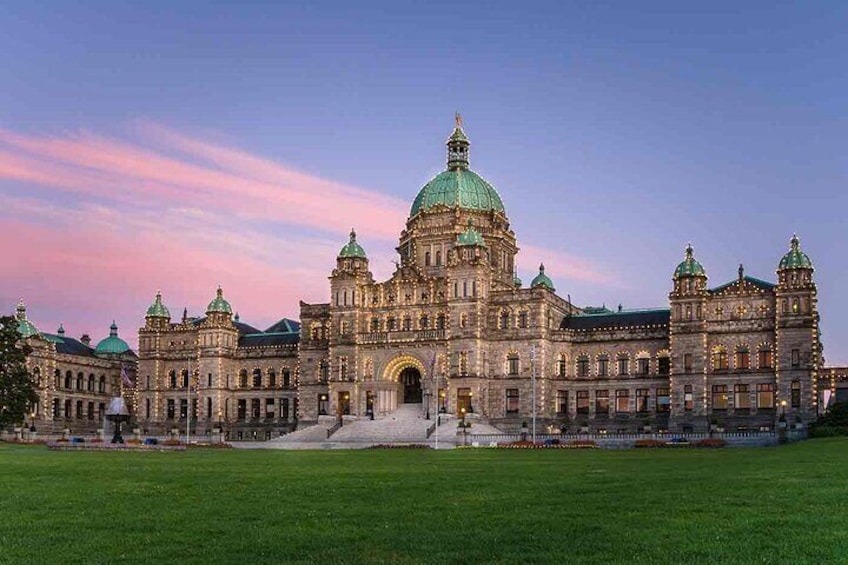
(795, 259)
(690, 267)
(157, 309)
(352, 248)
(112, 345)
(516, 281)
(25, 327)
(470, 237)
(219, 304)
(542, 279)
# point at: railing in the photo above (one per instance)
(431, 429)
(407, 335)
(334, 428)
(509, 437)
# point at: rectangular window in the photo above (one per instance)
(512, 369)
(463, 401)
(664, 365)
(284, 409)
(602, 402)
(269, 408)
(796, 358)
(643, 366)
(741, 398)
(603, 367)
(720, 360)
(512, 401)
(90, 410)
(765, 396)
(582, 367)
(170, 409)
(255, 406)
(719, 397)
(742, 360)
(687, 362)
(688, 398)
(209, 380)
(663, 400)
(272, 378)
(208, 408)
(622, 366)
(796, 394)
(183, 408)
(323, 404)
(241, 413)
(147, 408)
(286, 378)
(257, 378)
(622, 401)
(562, 403)
(582, 401)
(642, 399)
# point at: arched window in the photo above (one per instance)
(407, 323)
(242, 382)
(424, 322)
(426, 258)
(172, 376)
(315, 332)
(69, 379)
(324, 370)
(375, 324)
(512, 364)
(440, 322)
(57, 379)
(603, 365)
(184, 378)
(438, 258)
(390, 324)
(765, 358)
(80, 381)
(91, 381)
(102, 386)
(286, 377)
(562, 365)
(795, 306)
(663, 363)
(623, 362)
(743, 359)
(272, 378)
(523, 319)
(643, 363)
(582, 366)
(257, 378)
(720, 359)
(504, 320)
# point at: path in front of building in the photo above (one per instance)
(407, 425)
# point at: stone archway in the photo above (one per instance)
(400, 383)
(410, 379)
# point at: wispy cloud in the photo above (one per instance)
(162, 209)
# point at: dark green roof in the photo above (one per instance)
(542, 279)
(795, 259)
(352, 248)
(462, 188)
(620, 319)
(690, 267)
(758, 283)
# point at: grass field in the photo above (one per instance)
(775, 505)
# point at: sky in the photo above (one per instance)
(179, 146)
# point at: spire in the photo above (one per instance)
(113, 329)
(458, 147)
(20, 313)
(352, 248)
(61, 330)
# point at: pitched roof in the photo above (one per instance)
(269, 339)
(622, 319)
(285, 326)
(749, 282)
(69, 345)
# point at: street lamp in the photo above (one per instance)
(470, 401)
(427, 395)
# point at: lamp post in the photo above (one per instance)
(427, 395)
(533, 378)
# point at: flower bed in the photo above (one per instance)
(399, 446)
(711, 442)
(649, 443)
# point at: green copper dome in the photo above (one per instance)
(352, 248)
(690, 267)
(516, 280)
(157, 309)
(470, 237)
(25, 327)
(458, 186)
(542, 279)
(795, 259)
(112, 345)
(219, 304)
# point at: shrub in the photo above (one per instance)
(582, 443)
(832, 424)
(171, 442)
(711, 442)
(649, 443)
(828, 431)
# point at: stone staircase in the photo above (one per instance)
(405, 425)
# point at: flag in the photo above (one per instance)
(125, 378)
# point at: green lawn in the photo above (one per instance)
(774, 505)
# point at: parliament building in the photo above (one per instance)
(455, 331)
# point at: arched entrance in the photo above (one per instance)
(410, 379)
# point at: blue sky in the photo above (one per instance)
(615, 133)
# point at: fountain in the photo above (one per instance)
(117, 413)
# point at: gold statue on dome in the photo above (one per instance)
(458, 119)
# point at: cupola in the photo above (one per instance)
(25, 327)
(542, 280)
(112, 345)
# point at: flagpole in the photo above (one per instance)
(188, 401)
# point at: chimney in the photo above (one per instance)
(86, 340)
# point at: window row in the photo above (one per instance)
(84, 410)
(621, 365)
(407, 323)
(256, 379)
(742, 360)
(68, 382)
(506, 320)
(252, 409)
(764, 396)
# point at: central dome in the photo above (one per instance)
(458, 186)
(461, 188)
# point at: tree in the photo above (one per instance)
(17, 390)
